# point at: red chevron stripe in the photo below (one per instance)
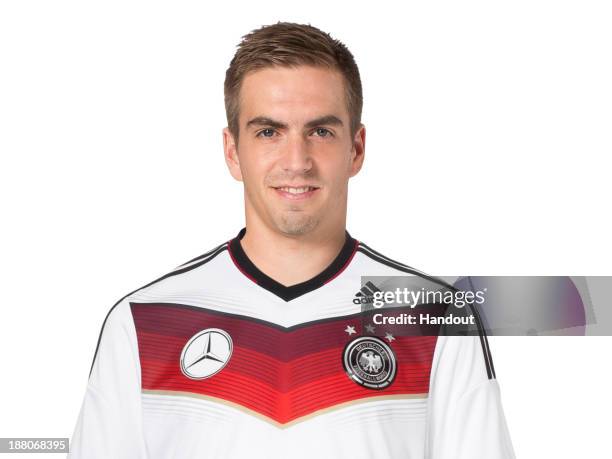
(280, 373)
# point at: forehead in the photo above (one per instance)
(293, 93)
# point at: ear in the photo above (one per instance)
(230, 151)
(358, 150)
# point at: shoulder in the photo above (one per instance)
(120, 313)
(202, 259)
(378, 257)
(454, 345)
(394, 266)
(199, 263)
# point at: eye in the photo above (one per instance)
(322, 132)
(265, 132)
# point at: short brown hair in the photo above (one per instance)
(288, 44)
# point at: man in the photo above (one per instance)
(257, 349)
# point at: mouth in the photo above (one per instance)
(296, 193)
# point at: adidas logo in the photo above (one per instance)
(366, 294)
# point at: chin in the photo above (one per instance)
(297, 225)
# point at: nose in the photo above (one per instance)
(296, 157)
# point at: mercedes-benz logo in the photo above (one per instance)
(206, 353)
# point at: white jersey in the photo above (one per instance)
(217, 360)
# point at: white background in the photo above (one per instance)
(488, 145)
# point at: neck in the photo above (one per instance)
(291, 259)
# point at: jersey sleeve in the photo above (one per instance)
(109, 423)
(465, 419)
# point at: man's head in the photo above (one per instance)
(293, 100)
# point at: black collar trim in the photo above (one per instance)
(288, 293)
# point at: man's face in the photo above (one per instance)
(295, 134)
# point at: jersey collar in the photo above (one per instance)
(288, 293)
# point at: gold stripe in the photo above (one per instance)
(290, 423)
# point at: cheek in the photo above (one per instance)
(336, 169)
(255, 171)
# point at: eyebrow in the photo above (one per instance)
(330, 120)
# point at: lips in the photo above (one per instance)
(296, 192)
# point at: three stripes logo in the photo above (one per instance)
(366, 294)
